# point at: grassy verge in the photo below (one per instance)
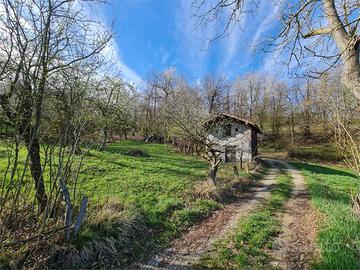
(339, 230)
(246, 247)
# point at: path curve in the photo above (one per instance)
(188, 249)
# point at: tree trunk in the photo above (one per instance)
(72, 141)
(241, 160)
(105, 138)
(292, 129)
(69, 209)
(212, 174)
(307, 132)
(80, 217)
(33, 148)
(324, 122)
(348, 46)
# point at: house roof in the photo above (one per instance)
(221, 116)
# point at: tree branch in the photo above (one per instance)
(316, 32)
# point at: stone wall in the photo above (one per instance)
(234, 147)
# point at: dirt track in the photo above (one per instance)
(295, 245)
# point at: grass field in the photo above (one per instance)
(140, 201)
(339, 232)
(159, 181)
(246, 247)
(160, 186)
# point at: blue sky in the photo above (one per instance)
(156, 35)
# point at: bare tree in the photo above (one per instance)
(345, 113)
(113, 101)
(41, 39)
(214, 89)
(189, 117)
(327, 31)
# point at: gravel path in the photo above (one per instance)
(186, 250)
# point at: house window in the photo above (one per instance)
(236, 130)
(227, 130)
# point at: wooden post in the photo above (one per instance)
(241, 160)
(80, 217)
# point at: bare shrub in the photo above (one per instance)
(346, 116)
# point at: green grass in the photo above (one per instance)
(246, 247)
(137, 204)
(155, 192)
(320, 152)
(339, 230)
(160, 185)
(156, 184)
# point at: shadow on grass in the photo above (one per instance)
(338, 236)
(324, 186)
(322, 170)
(159, 153)
(322, 190)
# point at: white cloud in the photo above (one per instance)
(192, 40)
(112, 52)
(165, 58)
(232, 42)
(267, 23)
(246, 33)
(131, 76)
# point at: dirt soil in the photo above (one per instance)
(295, 247)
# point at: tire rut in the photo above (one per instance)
(295, 247)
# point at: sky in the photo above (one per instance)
(154, 35)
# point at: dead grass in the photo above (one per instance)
(225, 191)
(112, 236)
(25, 244)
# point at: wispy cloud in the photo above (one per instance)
(233, 42)
(273, 8)
(112, 52)
(165, 58)
(238, 48)
(192, 39)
